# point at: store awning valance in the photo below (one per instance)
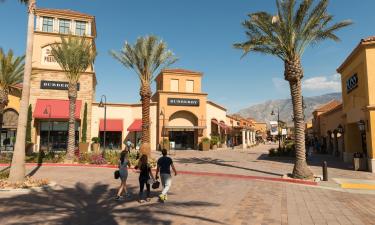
(185, 127)
(55, 109)
(111, 125)
(136, 126)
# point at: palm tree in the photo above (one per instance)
(286, 36)
(145, 57)
(74, 55)
(17, 170)
(11, 73)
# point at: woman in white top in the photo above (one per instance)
(123, 165)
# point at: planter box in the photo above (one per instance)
(83, 147)
(95, 147)
(29, 148)
(205, 146)
(214, 147)
(360, 164)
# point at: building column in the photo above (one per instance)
(243, 139)
(248, 138)
(254, 138)
(335, 144)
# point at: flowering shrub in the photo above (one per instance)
(98, 159)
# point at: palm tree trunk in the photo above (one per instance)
(17, 169)
(293, 74)
(145, 93)
(71, 130)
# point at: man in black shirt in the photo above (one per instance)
(164, 167)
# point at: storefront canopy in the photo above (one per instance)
(55, 109)
(111, 125)
(136, 126)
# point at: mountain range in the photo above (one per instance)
(262, 112)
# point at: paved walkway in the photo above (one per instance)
(85, 196)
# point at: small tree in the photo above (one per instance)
(28, 125)
(84, 125)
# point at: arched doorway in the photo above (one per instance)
(8, 131)
(183, 130)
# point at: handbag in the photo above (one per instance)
(156, 185)
(116, 174)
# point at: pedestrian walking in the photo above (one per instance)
(123, 165)
(164, 167)
(146, 178)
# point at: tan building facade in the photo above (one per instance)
(358, 85)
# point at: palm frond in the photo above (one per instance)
(11, 69)
(74, 55)
(145, 57)
(288, 33)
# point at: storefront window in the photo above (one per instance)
(7, 140)
(58, 137)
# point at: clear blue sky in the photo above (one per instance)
(201, 34)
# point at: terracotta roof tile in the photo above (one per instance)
(334, 109)
(368, 39)
(178, 70)
(64, 11)
(328, 106)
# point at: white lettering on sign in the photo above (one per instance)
(183, 102)
(351, 83)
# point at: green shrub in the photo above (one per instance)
(272, 152)
(4, 174)
(84, 125)
(206, 140)
(95, 140)
(215, 140)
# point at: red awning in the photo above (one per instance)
(111, 125)
(59, 109)
(215, 121)
(135, 126)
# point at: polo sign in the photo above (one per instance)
(351, 83)
(55, 85)
(183, 101)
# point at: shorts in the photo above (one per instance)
(123, 175)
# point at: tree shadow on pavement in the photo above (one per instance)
(219, 162)
(315, 160)
(83, 205)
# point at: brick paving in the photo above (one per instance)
(85, 196)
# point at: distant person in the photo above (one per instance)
(128, 145)
(123, 165)
(145, 178)
(164, 167)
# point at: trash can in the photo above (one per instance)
(359, 161)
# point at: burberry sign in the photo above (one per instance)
(55, 85)
(183, 101)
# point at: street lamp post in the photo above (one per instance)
(104, 104)
(278, 124)
(232, 135)
(48, 112)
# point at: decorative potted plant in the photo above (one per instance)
(95, 144)
(215, 140)
(29, 144)
(83, 145)
(205, 144)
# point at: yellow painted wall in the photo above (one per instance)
(14, 102)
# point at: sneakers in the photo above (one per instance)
(118, 198)
(127, 195)
(162, 197)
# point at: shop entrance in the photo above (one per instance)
(112, 139)
(58, 135)
(183, 140)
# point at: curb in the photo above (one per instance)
(235, 176)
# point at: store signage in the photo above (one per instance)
(274, 128)
(183, 101)
(55, 85)
(351, 83)
(47, 57)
